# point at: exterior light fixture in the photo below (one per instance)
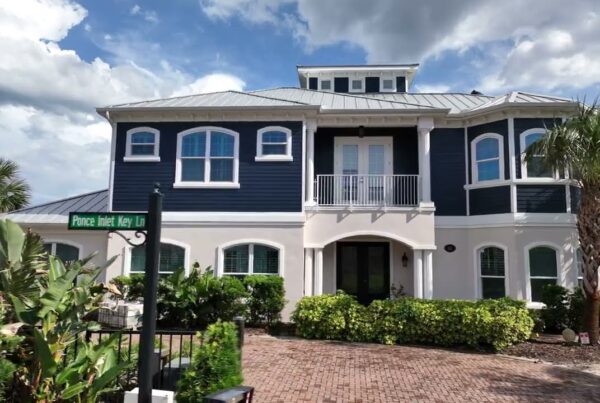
(404, 260)
(361, 131)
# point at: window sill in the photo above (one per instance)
(141, 159)
(206, 185)
(273, 158)
(488, 184)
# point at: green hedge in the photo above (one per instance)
(496, 323)
(216, 364)
(265, 299)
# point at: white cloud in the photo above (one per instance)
(432, 88)
(135, 9)
(48, 94)
(148, 15)
(256, 11)
(212, 83)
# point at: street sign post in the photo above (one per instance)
(108, 221)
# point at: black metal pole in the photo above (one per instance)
(146, 354)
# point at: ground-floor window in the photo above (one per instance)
(172, 257)
(543, 270)
(251, 258)
(492, 271)
(66, 253)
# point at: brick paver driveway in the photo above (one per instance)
(295, 370)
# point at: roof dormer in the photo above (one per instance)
(358, 79)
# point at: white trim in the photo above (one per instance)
(206, 183)
(500, 158)
(362, 84)
(303, 160)
(54, 241)
(507, 220)
(522, 137)
(186, 257)
(274, 157)
(308, 271)
(532, 181)
(318, 287)
(382, 79)
(559, 265)
(231, 217)
(382, 234)
(330, 79)
(250, 242)
(129, 157)
(477, 266)
(466, 136)
(512, 164)
(113, 151)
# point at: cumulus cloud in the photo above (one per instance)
(212, 83)
(48, 94)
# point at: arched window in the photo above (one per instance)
(172, 257)
(207, 157)
(66, 252)
(251, 258)
(492, 272)
(274, 143)
(487, 154)
(142, 144)
(534, 168)
(543, 269)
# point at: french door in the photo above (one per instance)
(363, 168)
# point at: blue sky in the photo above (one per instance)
(62, 58)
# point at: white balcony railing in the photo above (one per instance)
(367, 190)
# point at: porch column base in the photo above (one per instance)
(318, 264)
(418, 273)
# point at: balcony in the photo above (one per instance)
(367, 190)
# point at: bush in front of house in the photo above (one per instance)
(494, 323)
(215, 365)
(563, 308)
(131, 287)
(266, 299)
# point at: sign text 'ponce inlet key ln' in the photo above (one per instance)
(108, 221)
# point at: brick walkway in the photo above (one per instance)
(295, 370)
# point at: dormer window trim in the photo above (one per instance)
(329, 80)
(355, 90)
(131, 157)
(386, 78)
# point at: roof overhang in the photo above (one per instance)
(408, 70)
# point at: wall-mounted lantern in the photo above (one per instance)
(404, 260)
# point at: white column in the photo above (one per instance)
(318, 272)
(308, 272)
(424, 128)
(311, 127)
(427, 274)
(418, 273)
(512, 160)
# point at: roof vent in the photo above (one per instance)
(475, 92)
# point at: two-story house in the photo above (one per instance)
(347, 182)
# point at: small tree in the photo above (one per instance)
(14, 192)
(574, 146)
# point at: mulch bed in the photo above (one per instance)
(552, 348)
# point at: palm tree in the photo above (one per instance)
(574, 146)
(14, 192)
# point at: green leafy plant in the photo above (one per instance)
(131, 288)
(215, 365)
(556, 312)
(14, 192)
(266, 299)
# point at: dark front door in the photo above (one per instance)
(363, 270)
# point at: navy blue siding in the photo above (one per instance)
(264, 186)
(498, 127)
(371, 84)
(340, 84)
(522, 124)
(313, 83)
(400, 84)
(494, 200)
(448, 171)
(541, 199)
(406, 158)
(575, 198)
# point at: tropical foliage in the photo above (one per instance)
(494, 323)
(574, 147)
(14, 192)
(51, 303)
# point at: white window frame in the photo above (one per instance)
(321, 84)
(524, 175)
(234, 184)
(186, 258)
(142, 158)
(362, 84)
(474, 170)
(382, 79)
(477, 265)
(250, 242)
(54, 241)
(559, 263)
(274, 157)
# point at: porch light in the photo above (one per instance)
(404, 260)
(361, 131)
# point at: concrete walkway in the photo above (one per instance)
(296, 370)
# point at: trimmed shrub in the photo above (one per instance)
(131, 287)
(556, 313)
(495, 323)
(576, 303)
(216, 364)
(266, 299)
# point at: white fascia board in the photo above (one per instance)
(175, 217)
(21, 218)
(508, 220)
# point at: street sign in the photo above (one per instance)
(108, 221)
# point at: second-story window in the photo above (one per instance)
(207, 157)
(142, 144)
(326, 85)
(387, 85)
(487, 158)
(534, 168)
(356, 85)
(274, 143)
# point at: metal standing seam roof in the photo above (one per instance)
(57, 212)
